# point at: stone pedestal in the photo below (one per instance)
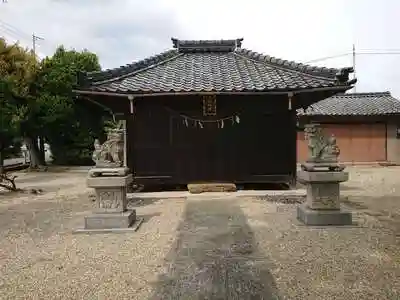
(322, 206)
(111, 213)
(110, 192)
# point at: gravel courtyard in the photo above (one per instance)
(219, 247)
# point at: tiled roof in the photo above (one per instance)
(212, 66)
(356, 104)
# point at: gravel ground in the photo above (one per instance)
(200, 248)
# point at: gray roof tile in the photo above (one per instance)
(356, 104)
(212, 66)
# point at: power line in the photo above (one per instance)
(8, 27)
(13, 36)
(32, 44)
(382, 50)
(354, 54)
(378, 53)
(21, 35)
(327, 57)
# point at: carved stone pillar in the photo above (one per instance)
(322, 206)
(322, 175)
(111, 203)
(110, 179)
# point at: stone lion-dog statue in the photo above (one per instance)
(110, 154)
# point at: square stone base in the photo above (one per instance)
(134, 227)
(110, 193)
(323, 217)
(110, 220)
(323, 195)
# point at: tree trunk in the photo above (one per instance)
(42, 155)
(31, 145)
(1, 162)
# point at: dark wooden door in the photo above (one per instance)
(255, 150)
(205, 153)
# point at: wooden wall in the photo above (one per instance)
(166, 144)
(358, 143)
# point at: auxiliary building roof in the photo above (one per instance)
(355, 104)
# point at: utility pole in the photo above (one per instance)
(354, 65)
(35, 38)
(40, 140)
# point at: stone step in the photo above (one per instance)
(197, 188)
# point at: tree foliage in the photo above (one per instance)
(17, 72)
(37, 100)
(8, 128)
(68, 124)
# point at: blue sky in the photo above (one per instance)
(122, 31)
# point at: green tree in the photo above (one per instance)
(17, 72)
(36, 100)
(8, 130)
(68, 125)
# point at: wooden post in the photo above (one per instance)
(131, 104)
(125, 144)
(293, 125)
(290, 95)
(131, 109)
(122, 126)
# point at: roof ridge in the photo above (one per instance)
(318, 75)
(97, 77)
(195, 46)
(386, 93)
(291, 64)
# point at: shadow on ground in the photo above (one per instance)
(215, 257)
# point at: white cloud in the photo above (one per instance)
(125, 30)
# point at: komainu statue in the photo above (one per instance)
(323, 151)
(110, 154)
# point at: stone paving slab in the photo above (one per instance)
(186, 194)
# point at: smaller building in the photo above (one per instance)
(366, 126)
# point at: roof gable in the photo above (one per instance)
(213, 66)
